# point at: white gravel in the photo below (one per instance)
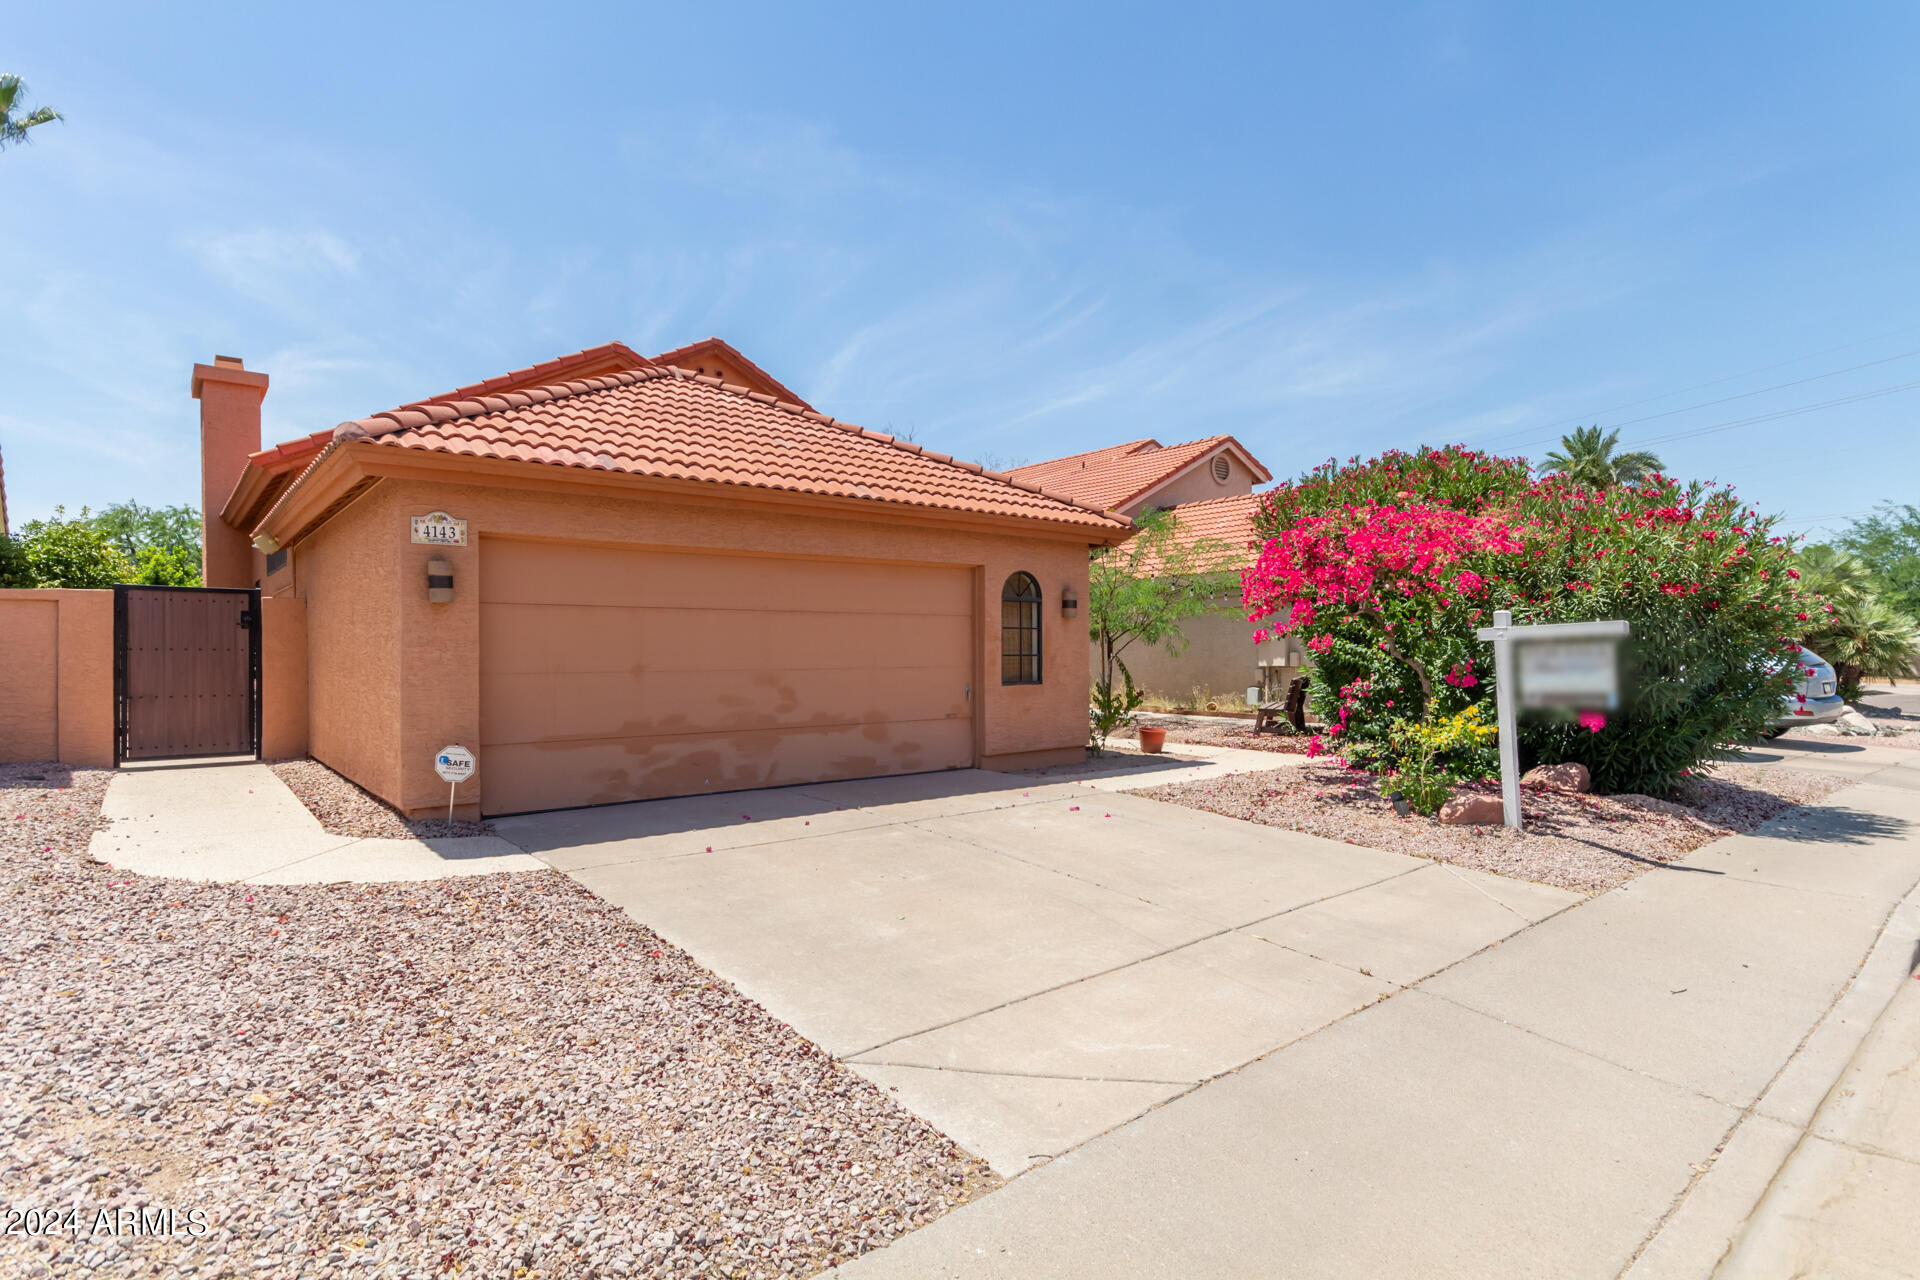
(346, 810)
(1581, 842)
(497, 1076)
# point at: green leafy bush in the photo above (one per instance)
(1386, 567)
(64, 553)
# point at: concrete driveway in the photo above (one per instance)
(1026, 961)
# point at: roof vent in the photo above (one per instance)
(1221, 468)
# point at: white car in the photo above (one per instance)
(1815, 699)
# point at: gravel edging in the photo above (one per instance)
(499, 1075)
(1585, 843)
(345, 809)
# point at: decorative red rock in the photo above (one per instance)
(1472, 811)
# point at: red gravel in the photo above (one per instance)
(496, 1076)
(1580, 842)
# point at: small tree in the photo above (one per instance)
(65, 553)
(1141, 591)
(1888, 543)
(163, 543)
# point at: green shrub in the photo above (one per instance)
(1701, 579)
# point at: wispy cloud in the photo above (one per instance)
(272, 265)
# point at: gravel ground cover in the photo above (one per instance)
(497, 1076)
(1223, 731)
(1580, 842)
(345, 810)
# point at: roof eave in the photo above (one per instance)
(347, 463)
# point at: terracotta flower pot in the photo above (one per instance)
(1151, 740)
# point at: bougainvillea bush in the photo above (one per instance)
(1384, 569)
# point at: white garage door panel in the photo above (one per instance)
(609, 675)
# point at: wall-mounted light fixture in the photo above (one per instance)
(1069, 602)
(440, 581)
(266, 544)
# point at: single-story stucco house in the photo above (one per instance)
(616, 577)
(1208, 486)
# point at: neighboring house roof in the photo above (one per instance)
(1077, 467)
(1227, 521)
(671, 424)
(709, 355)
(717, 357)
(271, 472)
(1121, 475)
(592, 362)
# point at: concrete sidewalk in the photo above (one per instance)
(238, 822)
(1610, 1091)
(1847, 1201)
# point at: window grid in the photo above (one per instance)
(1020, 630)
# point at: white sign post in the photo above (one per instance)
(454, 765)
(1569, 662)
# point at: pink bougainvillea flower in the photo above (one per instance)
(1592, 721)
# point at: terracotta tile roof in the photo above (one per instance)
(618, 357)
(590, 362)
(722, 355)
(1227, 521)
(1115, 477)
(674, 424)
(284, 455)
(1071, 467)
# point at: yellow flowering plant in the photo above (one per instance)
(1425, 760)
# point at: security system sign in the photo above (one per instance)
(453, 764)
(438, 529)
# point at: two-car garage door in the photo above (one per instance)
(611, 674)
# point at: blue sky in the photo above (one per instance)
(1011, 231)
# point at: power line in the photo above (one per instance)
(1701, 386)
(1745, 395)
(1777, 414)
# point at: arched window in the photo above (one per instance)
(1020, 630)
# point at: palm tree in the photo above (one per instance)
(1839, 577)
(1587, 458)
(1865, 641)
(13, 128)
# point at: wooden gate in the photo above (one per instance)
(186, 672)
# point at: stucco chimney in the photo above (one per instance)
(229, 396)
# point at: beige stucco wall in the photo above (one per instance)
(1220, 660)
(349, 580)
(394, 677)
(1198, 485)
(283, 677)
(56, 676)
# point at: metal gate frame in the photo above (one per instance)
(121, 729)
